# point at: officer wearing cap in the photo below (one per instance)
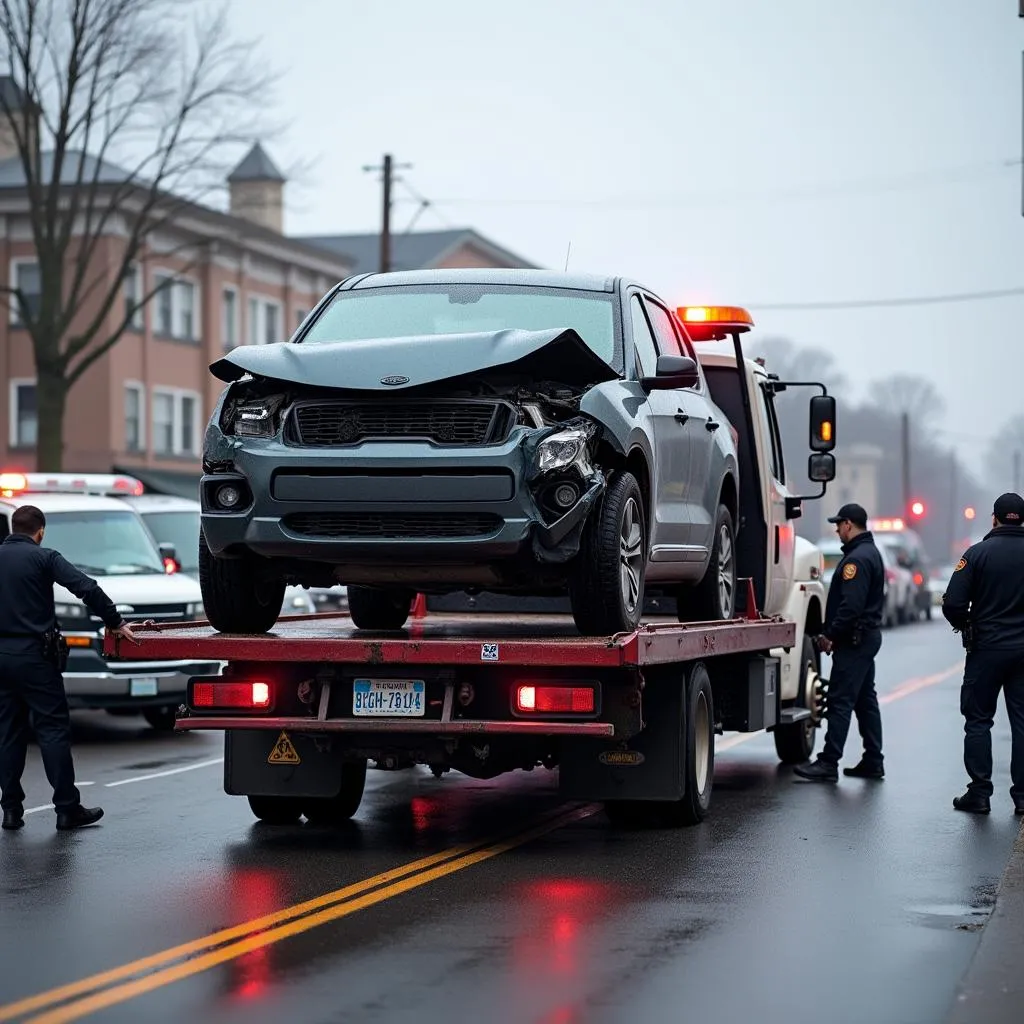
(31, 686)
(853, 636)
(984, 602)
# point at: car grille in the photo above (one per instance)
(389, 524)
(454, 423)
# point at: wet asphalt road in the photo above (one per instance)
(793, 902)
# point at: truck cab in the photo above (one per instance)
(95, 531)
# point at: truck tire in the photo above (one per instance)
(606, 587)
(236, 598)
(335, 810)
(795, 743)
(276, 810)
(382, 609)
(161, 719)
(714, 598)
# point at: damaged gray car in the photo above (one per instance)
(512, 431)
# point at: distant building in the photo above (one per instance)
(857, 479)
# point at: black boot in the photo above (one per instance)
(1018, 805)
(78, 817)
(865, 770)
(818, 771)
(14, 817)
(973, 803)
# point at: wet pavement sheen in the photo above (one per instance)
(860, 902)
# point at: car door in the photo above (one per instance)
(669, 523)
(699, 420)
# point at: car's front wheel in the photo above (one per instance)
(384, 608)
(606, 589)
(237, 599)
(714, 597)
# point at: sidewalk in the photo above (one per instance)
(992, 989)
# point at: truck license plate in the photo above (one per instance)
(398, 698)
(143, 687)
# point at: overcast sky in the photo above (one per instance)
(747, 151)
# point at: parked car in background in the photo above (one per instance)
(175, 524)
(897, 582)
(910, 555)
(938, 580)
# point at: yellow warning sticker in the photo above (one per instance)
(284, 751)
(849, 571)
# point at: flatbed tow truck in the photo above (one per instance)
(628, 719)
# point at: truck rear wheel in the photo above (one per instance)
(714, 598)
(373, 608)
(337, 809)
(606, 588)
(237, 599)
(276, 810)
(795, 743)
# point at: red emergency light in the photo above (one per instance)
(712, 323)
(546, 699)
(211, 694)
(917, 508)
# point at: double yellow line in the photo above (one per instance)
(119, 984)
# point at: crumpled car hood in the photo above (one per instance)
(557, 354)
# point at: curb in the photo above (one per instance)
(992, 989)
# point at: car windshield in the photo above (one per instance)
(103, 543)
(463, 309)
(180, 529)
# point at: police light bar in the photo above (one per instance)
(106, 484)
(886, 525)
(711, 323)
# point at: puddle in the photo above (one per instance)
(961, 916)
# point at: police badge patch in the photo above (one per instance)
(849, 571)
(962, 564)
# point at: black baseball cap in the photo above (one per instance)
(1009, 508)
(854, 513)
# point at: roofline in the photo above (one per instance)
(498, 251)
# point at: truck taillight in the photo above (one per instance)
(554, 699)
(250, 695)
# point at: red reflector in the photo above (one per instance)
(231, 695)
(554, 699)
(918, 578)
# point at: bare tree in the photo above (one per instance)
(908, 393)
(122, 113)
(1004, 463)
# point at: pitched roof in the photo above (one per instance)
(415, 250)
(12, 174)
(256, 166)
(11, 94)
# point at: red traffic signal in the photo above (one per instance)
(917, 509)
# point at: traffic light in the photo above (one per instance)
(917, 509)
(969, 512)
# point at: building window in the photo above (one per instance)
(175, 422)
(26, 280)
(24, 414)
(229, 326)
(177, 307)
(264, 327)
(133, 297)
(134, 417)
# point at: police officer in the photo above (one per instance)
(31, 686)
(853, 636)
(984, 601)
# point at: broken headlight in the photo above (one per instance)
(563, 448)
(255, 419)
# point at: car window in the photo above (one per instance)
(425, 311)
(664, 333)
(643, 340)
(764, 414)
(103, 543)
(180, 529)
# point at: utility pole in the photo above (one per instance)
(953, 518)
(1016, 459)
(905, 458)
(388, 171)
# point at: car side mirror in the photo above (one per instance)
(672, 372)
(823, 425)
(821, 467)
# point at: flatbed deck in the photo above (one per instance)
(535, 640)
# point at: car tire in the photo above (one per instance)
(380, 609)
(794, 743)
(161, 719)
(236, 598)
(606, 587)
(276, 810)
(714, 598)
(336, 810)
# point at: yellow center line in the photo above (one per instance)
(11, 1011)
(129, 990)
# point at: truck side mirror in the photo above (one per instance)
(823, 426)
(672, 372)
(821, 467)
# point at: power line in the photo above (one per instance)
(921, 300)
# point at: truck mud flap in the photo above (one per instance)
(647, 767)
(276, 763)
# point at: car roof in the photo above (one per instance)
(161, 503)
(65, 502)
(485, 275)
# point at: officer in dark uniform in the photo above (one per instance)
(853, 636)
(31, 686)
(984, 601)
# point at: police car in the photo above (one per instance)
(95, 531)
